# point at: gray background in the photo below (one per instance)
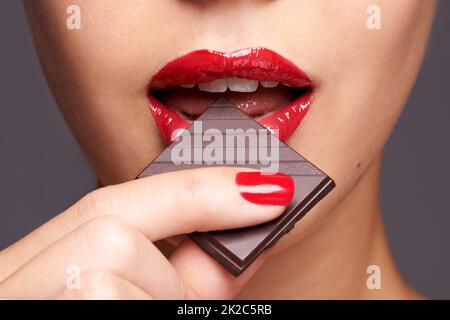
(43, 170)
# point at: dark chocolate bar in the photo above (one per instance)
(236, 249)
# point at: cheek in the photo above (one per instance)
(102, 87)
(363, 79)
(366, 78)
(99, 76)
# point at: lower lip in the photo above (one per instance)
(282, 122)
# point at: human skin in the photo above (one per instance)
(99, 76)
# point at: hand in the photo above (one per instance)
(109, 235)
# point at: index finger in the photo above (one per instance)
(172, 203)
(192, 200)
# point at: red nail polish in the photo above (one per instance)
(268, 189)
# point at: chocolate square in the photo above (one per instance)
(236, 249)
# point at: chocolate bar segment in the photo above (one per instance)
(236, 249)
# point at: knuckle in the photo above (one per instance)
(100, 202)
(196, 190)
(99, 285)
(112, 240)
(197, 199)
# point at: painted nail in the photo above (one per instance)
(266, 189)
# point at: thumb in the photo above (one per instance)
(205, 278)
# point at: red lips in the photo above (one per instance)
(252, 63)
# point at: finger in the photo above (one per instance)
(105, 243)
(164, 205)
(102, 285)
(179, 203)
(194, 266)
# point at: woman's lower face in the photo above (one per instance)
(360, 60)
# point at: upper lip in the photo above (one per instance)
(252, 63)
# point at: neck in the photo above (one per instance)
(332, 261)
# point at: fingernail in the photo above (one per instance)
(266, 189)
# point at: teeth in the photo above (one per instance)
(233, 84)
(287, 84)
(269, 84)
(218, 85)
(189, 86)
(242, 85)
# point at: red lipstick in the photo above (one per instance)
(203, 66)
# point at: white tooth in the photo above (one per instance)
(269, 84)
(242, 85)
(218, 85)
(187, 85)
(287, 84)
